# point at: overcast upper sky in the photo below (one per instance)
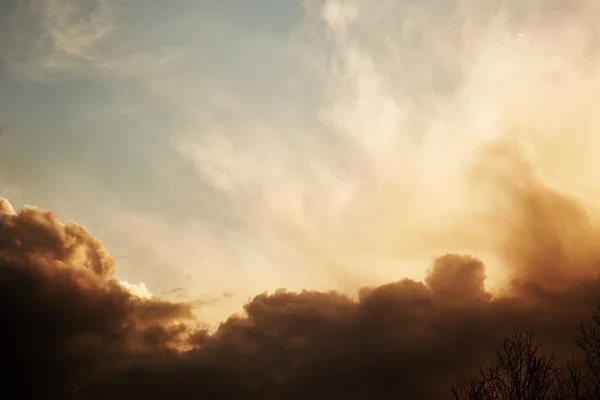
(229, 147)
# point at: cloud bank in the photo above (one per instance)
(72, 331)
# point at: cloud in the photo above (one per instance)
(70, 31)
(71, 40)
(139, 290)
(46, 38)
(75, 332)
(409, 95)
(69, 319)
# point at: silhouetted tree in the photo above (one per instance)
(589, 342)
(573, 384)
(520, 372)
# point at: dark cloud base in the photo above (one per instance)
(70, 331)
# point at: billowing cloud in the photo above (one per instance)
(139, 290)
(72, 331)
(67, 320)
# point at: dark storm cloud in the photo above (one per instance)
(65, 320)
(70, 331)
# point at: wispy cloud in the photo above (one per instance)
(405, 110)
(73, 32)
(68, 39)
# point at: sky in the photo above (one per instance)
(120, 94)
(229, 147)
(288, 174)
(226, 148)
